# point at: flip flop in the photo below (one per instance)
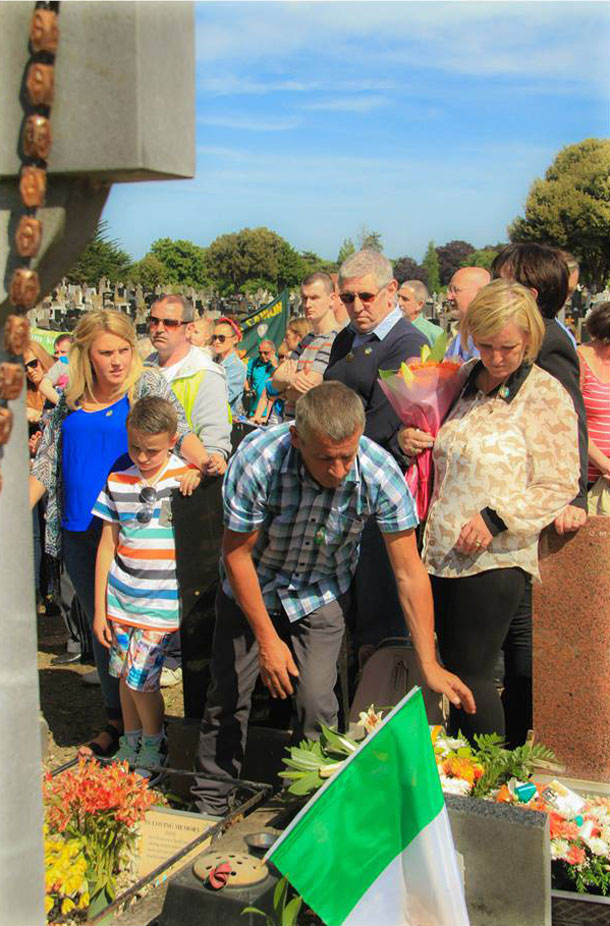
(98, 751)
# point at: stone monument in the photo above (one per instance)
(59, 72)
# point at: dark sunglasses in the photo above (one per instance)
(148, 496)
(220, 337)
(350, 298)
(32, 364)
(166, 322)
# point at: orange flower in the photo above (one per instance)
(575, 855)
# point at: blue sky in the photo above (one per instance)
(422, 121)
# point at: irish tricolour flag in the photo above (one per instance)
(374, 847)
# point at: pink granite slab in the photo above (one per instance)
(572, 649)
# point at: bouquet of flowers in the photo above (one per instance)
(91, 817)
(421, 393)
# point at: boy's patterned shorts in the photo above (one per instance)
(137, 655)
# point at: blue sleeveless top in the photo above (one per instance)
(91, 443)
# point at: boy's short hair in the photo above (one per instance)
(153, 415)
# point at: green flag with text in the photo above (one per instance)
(268, 323)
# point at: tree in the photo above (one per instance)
(570, 208)
(313, 263)
(430, 262)
(149, 272)
(484, 257)
(346, 250)
(369, 239)
(102, 257)
(253, 254)
(405, 268)
(184, 261)
(451, 257)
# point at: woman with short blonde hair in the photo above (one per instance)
(506, 464)
(499, 303)
(83, 441)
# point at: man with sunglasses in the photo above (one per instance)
(378, 337)
(198, 383)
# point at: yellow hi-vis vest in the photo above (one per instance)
(185, 388)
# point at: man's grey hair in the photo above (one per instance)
(364, 262)
(330, 410)
(188, 310)
(419, 290)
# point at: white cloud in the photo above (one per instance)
(250, 124)
(355, 104)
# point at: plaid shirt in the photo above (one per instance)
(308, 546)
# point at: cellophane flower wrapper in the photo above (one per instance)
(422, 393)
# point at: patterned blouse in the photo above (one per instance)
(47, 464)
(512, 456)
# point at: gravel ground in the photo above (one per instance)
(74, 711)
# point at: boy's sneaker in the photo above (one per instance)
(152, 760)
(126, 752)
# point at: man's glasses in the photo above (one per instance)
(32, 364)
(220, 337)
(148, 497)
(366, 298)
(166, 322)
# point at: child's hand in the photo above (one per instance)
(102, 631)
(189, 481)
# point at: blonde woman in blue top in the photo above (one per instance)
(85, 436)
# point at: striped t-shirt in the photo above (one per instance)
(142, 583)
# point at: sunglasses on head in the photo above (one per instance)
(350, 298)
(148, 497)
(166, 322)
(32, 364)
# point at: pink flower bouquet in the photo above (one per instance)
(421, 393)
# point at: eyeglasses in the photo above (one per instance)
(166, 322)
(366, 298)
(32, 364)
(148, 497)
(220, 337)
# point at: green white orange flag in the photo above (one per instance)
(373, 847)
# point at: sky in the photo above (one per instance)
(422, 121)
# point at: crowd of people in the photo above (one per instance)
(321, 532)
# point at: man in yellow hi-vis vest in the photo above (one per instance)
(198, 383)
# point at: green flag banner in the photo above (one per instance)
(45, 337)
(269, 323)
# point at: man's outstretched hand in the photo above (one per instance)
(446, 683)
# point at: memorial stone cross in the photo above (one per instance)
(57, 170)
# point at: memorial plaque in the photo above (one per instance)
(165, 832)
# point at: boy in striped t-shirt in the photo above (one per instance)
(137, 603)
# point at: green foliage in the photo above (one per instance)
(592, 878)
(430, 263)
(149, 272)
(484, 257)
(253, 254)
(346, 250)
(313, 263)
(502, 764)
(102, 257)
(313, 761)
(570, 208)
(285, 910)
(184, 261)
(369, 239)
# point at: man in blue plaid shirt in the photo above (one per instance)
(296, 499)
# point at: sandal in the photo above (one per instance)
(97, 750)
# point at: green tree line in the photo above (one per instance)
(568, 208)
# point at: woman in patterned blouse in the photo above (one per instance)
(84, 438)
(506, 462)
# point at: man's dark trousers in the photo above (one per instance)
(315, 642)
